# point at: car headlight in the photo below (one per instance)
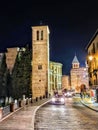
(62, 99)
(53, 99)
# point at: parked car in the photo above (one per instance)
(58, 99)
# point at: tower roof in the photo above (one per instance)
(75, 60)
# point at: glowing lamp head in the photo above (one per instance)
(90, 58)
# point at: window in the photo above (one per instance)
(37, 35)
(74, 65)
(93, 48)
(41, 35)
(39, 67)
(97, 45)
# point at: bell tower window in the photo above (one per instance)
(41, 35)
(37, 35)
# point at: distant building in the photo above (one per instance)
(55, 77)
(92, 60)
(11, 57)
(66, 82)
(78, 75)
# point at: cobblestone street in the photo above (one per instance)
(66, 117)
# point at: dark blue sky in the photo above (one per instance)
(71, 24)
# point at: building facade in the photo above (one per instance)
(11, 57)
(40, 61)
(66, 82)
(55, 74)
(92, 59)
(78, 75)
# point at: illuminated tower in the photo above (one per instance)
(75, 63)
(40, 61)
(78, 75)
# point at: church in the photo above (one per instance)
(78, 75)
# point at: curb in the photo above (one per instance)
(89, 106)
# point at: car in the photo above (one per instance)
(68, 94)
(58, 99)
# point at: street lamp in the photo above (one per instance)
(90, 58)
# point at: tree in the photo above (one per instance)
(3, 77)
(21, 75)
(9, 84)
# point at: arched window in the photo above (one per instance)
(41, 35)
(37, 35)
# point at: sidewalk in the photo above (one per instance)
(90, 104)
(23, 118)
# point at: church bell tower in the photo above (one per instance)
(40, 61)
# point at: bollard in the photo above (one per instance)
(11, 107)
(19, 103)
(43, 96)
(36, 99)
(31, 100)
(40, 97)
